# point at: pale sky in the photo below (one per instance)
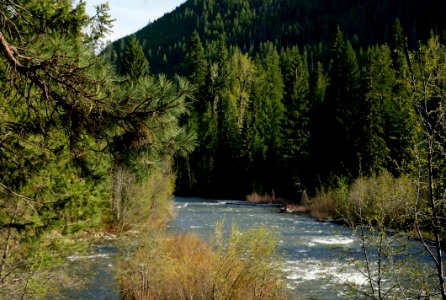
(132, 15)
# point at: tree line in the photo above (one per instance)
(287, 120)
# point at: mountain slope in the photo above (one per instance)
(247, 23)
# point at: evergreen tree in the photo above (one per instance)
(267, 110)
(398, 46)
(65, 119)
(133, 62)
(340, 108)
(196, 61)
(399, 111)
(295, 130)
(378, 79)
(227, 153)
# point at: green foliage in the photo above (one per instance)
(295, 129)
(287, 124)
(381, 201)
(428, 82)
(196, 62)
(133, 62)
(296, 90)
(377, 201)
(341, 106)
(378, 79)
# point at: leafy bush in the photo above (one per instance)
(375, 200)
(322, 206)
(380, 200)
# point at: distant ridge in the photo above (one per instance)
(247, 23)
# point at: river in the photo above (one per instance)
(317, 255)
(311, 249)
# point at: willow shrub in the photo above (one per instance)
(375, 200)
(242, 266)
(380, 200)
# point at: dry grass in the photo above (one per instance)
(263, 199)
(184, 267)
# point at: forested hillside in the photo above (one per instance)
(293, 94)
(248, 23)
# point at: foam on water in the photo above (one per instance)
(333, 240)
(306, 270)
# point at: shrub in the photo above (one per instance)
(322, 206)
(184, 267)
(381, 200)
(146, 202)
(325, 204)
(376, 200)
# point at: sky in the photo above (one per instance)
(132, 15)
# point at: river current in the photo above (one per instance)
(319, 257)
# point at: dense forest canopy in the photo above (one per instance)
(291, 94)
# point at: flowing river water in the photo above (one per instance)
(317, 256)
(311, 249)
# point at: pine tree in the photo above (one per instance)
(267, 116)
(65, 119)
(296, 92)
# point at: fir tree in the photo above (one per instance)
(378, 79)
(133, 62)
(295, 130)
(196, 61)
(267, 110)
(340, 108)
(399, 111)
